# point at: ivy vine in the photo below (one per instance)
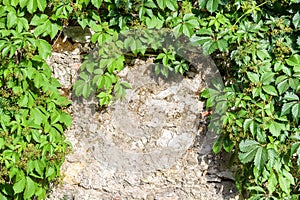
(254, 43)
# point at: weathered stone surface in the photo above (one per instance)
(65, 66)
(144, 147)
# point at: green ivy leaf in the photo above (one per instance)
(37, 116)
(30, 188)
(269, 89)
(11, 19)
(38, 19)
(2, 143)
(40, 79)
(14, 3)
(86, 90)
(161, 3)
(212, 5)
(228, 144)
(108, 82)
(222, 44)
(54, 117)
(50, 171)
(32, 6)
(19, 186)
(261, 157)
(261, 135)
(5, 51)
(97, 3)
(41, 193)
(99, 81)
(205, 94)
(246, 124)
(187, 29)
(247, 157)
(42, 29)
(257, 189)
(276, 128)
(249, 149)
(2, 197)
(200, 40)
(23, 101)
(253, 77)
(172, 5)
(283, 86)
(136, 46)
(105, 98)
(288, 176)
(209, 47)
(191, 20)
(22, 24)
(44, 48)
(202, 3)
(263, 54)
(290, 96)
(41, 4)
(267, 78)
(286, 108)
(54, 28)
(125, 85)
(205, 31)
(294, 60)
(89, 66)
(296, 20)
(39, 167)
(272, 155)
(294, 83)
(284, 184)
(84, 76)
(178, 30)
(66, 119)
(217, 147)
(118, 90)
(247, 145)
(296, 111)
(23, 3)
(150, 4)
(154, 22)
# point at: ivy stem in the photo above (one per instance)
(249, 11)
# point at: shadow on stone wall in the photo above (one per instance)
(113, 149)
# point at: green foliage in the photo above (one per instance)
(98, 75)
(255, 44)
(32, 116)
(210, 5)
(262, 117)
(99, 71)
(32, 122)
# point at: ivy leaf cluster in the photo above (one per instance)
(32, 111)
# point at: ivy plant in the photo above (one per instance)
(254, 43)
(32, 111)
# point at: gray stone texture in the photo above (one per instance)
(147, 146)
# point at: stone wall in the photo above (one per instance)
(151, 145)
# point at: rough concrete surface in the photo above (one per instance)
(147, 146)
